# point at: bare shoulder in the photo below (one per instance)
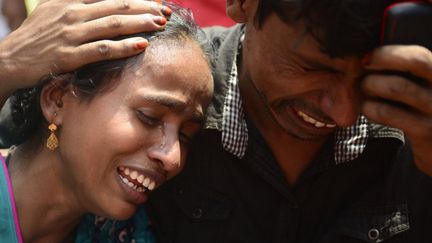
(4, 152)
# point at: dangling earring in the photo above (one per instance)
(52, 141)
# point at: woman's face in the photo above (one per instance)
(130, 139)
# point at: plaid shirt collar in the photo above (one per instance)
(350, 142)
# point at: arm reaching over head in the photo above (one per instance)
(62, 35)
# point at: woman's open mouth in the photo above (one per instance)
(135, 180)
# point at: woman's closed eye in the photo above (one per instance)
(188, 131)
(185, 138)
(148, 119)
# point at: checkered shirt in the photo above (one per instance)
(350, 142)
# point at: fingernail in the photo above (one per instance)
(159, 20)
(166, 11)
(142, 44)
(367, 58)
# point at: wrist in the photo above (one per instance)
(7, 70)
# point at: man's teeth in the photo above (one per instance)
(314, 122)
(144, 183)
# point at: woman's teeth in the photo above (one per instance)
(135, 180)
(314, 122)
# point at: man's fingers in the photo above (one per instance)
(413, 124)
(416, 60)
(101, 9)
(105, 50)
(397, 88)
(117, 25)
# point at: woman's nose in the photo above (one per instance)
(167, 151)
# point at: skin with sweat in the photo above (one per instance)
(298, 96)
(304, 93)
(139, 130)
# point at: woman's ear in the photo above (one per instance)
(241, 10)
(52, 98)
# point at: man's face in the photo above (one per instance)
(308, 93)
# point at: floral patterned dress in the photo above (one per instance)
(94, 229)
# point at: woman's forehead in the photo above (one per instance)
(181, 61)
(184, 70)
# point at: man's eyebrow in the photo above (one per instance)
(313, 64)
(173, 104)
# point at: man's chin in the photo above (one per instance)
(304, 136)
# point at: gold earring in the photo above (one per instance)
(52, 141)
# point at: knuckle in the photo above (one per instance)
(146, 19)
(422, 58)
(63, 52)
(399, 86)
(123, 4)
(368, 83)
(71, 14)
(381, 112)
(68, 34)
(104, 49)
(115, 21)
(64, 57)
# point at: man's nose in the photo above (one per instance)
(342, 104)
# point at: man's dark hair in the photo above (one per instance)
(341, 27)
(88, 81)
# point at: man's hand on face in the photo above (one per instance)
(414, 116)
(62, 35)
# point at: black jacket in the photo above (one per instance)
(378, 197)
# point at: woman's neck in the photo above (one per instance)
(48, 210)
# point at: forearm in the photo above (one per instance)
(60, 36)
(7, 72)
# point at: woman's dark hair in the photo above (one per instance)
(341, 27)
(94, 78)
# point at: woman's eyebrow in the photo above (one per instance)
(173, 104)
(169, 102)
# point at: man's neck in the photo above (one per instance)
(293, 155)
(44, 207)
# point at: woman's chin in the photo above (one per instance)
(121, 213)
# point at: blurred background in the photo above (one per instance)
(12, 14)
(206, 13)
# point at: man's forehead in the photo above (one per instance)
(343, 28)
(294, 43)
